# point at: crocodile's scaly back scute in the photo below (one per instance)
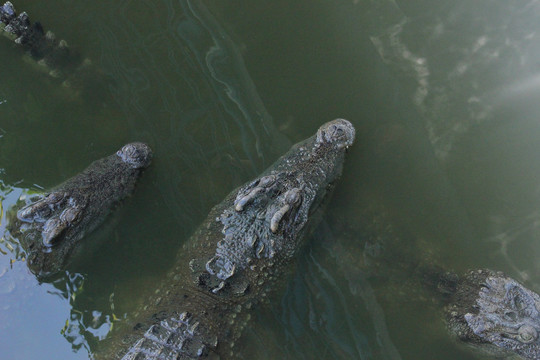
(213, 315)
(170, 339)
(238, 256)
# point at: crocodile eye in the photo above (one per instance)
(527, 334)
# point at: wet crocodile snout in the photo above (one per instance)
(137, 155)
(339, 132)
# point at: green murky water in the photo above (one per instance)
(445, 168)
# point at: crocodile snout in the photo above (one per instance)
(339, 132)
(137, 154)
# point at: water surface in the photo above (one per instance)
(445, 168)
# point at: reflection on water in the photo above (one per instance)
(476, 94)
(27, 304)
(444, 99)
(457, 81)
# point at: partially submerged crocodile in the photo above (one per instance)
(239, 255)
(52, 55)
(486, 308)
(50, 226)
(496, 314)
(487, 311)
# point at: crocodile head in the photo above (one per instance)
(294, 187)
(498, 314)
(268, 217)
(51, 225)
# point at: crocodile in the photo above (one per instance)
(237, 257)
(50, 225)
(487, 312)
(494, 313)
(52, 55)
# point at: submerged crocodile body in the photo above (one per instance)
(50, 226)
(239, 255)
